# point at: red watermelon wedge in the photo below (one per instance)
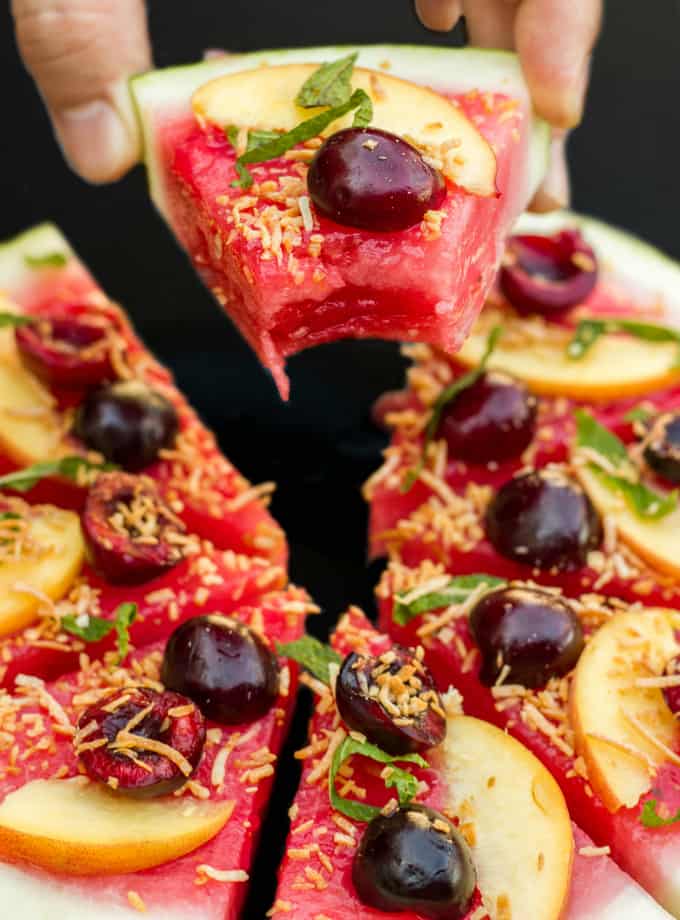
(291, 278)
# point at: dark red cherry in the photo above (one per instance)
(662, 447)
(415, 860)
(70, 348)
(672, 694)
(224, 666)
(131, 534)
(141, 742)
(536, 634)
(392, 700)
(544, 519)
(128, 422)
(368, 178)
(544, 274)
(492, 420)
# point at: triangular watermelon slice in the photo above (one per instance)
(290, 277)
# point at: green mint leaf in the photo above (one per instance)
(124, 617)
(588, 331)
(364, 114)
(49, 260)
(642, 500)
(638, 414)
(312, 655)
(404, 782)
(256, 137)
(456, 592)
(589, 433)
(649, 816)
(445, 397)
(14, 319)
(30, 476)
(94, 629)
(305, 131)
(331, 84)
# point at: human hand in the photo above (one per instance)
(80, 53)
(554, 40)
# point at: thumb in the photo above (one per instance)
(80, 53)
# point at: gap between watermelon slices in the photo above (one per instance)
(360, 284)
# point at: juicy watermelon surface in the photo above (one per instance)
(175, 887)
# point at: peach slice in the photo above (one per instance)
(657, 541)
(42, 557)
(616, 366)
(76, 827)
(264, 98)
(623, 727)
(514, 814)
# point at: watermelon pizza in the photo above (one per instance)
(288, 176)
(410, 808)
(532, 536)
(134, 562)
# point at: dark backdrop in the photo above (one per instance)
(320, 446)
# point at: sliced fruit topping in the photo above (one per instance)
(662, 447)
(268, 99)
(76, 827)
(415, 859)
(623, 727)
(132, 534)
(41, 553)
(544, 519)
(513, 814)
(392, 700)
(526, 636)
(492, 420)
(141, 742)
(368, 178)
(70, 348)
(544, 274)
(223, 666)
(615, 363)
(128, 423)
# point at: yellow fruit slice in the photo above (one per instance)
(516, 818)
(76, 827)
(622, 727)
(41, 553)
(264, 98)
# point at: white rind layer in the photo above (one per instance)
(28, 896)
(167, 93)
(37, 242)
(630, 904)
(650, 276)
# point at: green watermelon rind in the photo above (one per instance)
(648, 274)
(35, 243)
(453, 69)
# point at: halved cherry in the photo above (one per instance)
(543, 274)
(672, 693)
(662, 447)
(141, 742)
(70, 348)
(132, 535)
(392, 699)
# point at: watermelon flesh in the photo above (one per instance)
(214, 500)
(289, 286)
(173, 890)
(321, 839)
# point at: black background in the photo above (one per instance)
(321, 445)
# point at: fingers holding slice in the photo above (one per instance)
(439, 15)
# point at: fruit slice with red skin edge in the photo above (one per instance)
(213, 581)
(647, 854)
(423, 293)
(216, 501)
(170, 889)
(598, 889)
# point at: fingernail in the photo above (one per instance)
(554, 192)
(438, 15)
(96, 141)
